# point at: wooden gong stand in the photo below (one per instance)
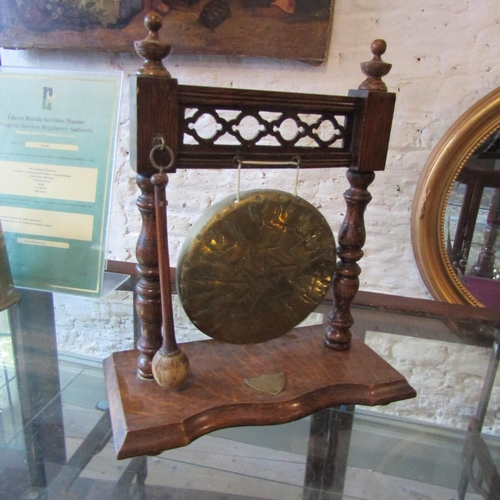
(324, 365)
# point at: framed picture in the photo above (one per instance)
(287, 29)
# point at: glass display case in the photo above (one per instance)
(56, 438)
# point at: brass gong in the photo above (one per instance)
(252, 269)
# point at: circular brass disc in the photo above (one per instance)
(250, 271)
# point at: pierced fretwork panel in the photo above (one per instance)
(209, 126)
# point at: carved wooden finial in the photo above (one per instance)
(152, 49)
(376, 68)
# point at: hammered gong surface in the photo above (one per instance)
(250, 271)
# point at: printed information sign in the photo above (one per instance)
(58, 133)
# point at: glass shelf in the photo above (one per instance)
(56, 440)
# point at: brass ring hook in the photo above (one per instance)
(161, 147)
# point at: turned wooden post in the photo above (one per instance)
(351, 240)
(369, 149)
(153, 119)
(147, 289)
(485, 264)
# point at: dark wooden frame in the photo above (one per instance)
(158, 106)
(303, 35)
(148, 418)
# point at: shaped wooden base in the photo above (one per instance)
(148, 419)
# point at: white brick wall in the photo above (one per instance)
(448, 379)
(445, 57)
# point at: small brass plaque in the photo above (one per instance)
(270, 384)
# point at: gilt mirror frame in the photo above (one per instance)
(433, 192)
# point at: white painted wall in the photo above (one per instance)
(445, 56)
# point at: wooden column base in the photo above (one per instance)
(148, 419)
